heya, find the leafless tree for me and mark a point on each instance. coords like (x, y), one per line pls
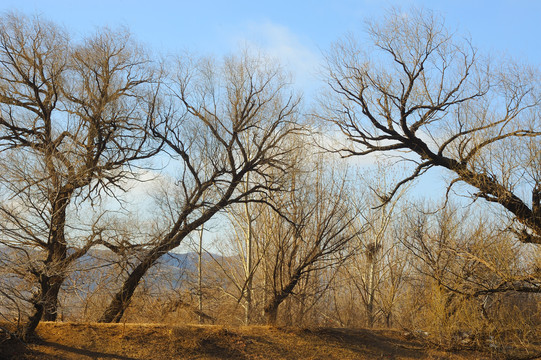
(244, 243)
(73, 116)
(376, 271)
(465, 270)
(321, 223)
(227, 120)
(433, 100)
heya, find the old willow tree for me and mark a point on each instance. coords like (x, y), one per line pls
(73, 116)
(229, 129)
(430, 98)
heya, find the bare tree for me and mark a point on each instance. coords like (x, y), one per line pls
(72, 117)
(243, 243)
(468, 275)
(226, 120)
(321, 223)
(374, 269)
(432, 99)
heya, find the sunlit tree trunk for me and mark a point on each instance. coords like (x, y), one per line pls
(200, 275)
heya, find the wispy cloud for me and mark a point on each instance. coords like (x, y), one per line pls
(281, 43)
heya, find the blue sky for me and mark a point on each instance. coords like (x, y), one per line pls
(305, 26)
(296, 32)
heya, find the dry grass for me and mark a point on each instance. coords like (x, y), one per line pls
(149, 341)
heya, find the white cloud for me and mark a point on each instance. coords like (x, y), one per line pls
(281, 43)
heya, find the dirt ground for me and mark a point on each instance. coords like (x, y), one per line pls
(150, 341)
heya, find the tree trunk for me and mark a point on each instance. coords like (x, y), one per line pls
(271, 313)
(45, 305)
(31, 324)
(200, 275)
(121, 300)
(249, 266)
(50, 279)
(248, 309)
(56, 258)
(388, 318)
(271, 309)
(372, 260)
(370, 314)
(50, 304)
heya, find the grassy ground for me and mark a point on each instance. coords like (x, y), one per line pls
(149, 341)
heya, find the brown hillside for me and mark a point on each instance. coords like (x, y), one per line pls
(145, 341)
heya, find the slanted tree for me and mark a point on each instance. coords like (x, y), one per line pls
(433, 100)
(226, 120)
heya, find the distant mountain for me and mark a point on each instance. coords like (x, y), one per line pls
(172, 269)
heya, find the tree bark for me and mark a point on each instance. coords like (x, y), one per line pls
(28, 329)
(120, 302)
(50, 279)
(271, 309)
(45, 304)
(50, 306)
(271, 313)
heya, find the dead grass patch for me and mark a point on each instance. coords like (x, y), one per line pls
(149, 341)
